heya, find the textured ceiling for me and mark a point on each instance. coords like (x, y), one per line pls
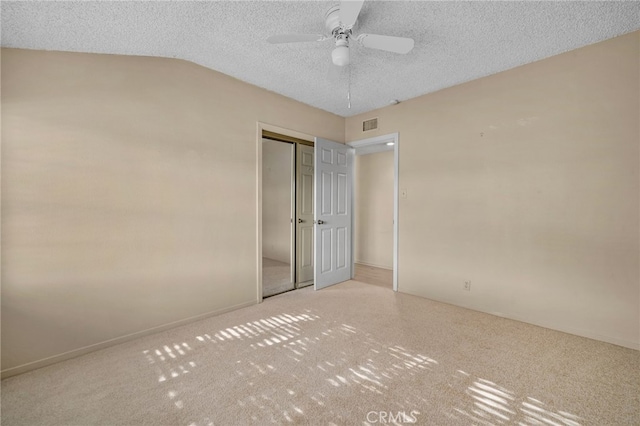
(455, 41)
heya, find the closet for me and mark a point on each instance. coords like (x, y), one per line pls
(287, 213)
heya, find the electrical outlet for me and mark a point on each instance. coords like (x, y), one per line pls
(467, 285)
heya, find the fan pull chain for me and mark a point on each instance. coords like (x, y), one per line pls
(349, 90)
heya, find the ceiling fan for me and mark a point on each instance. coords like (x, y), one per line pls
(339, 21)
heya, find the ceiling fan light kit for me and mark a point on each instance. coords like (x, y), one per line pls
(340, 55)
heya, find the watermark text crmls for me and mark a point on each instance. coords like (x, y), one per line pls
(392, 417)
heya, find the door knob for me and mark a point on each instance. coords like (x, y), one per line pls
(320, 222)
(300, 221)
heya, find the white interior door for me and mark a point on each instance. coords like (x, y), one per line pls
(304, 222)
(333, 215)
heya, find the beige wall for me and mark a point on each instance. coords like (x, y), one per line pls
(374, 209)
(277, 199)
(128, 196)
(526, 183)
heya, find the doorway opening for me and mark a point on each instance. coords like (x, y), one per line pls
(375, 235)
(287, 259)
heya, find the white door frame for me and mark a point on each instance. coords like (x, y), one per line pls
(370, 143)
(283, 131)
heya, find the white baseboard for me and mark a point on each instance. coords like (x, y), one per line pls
(360, 262)
(112, 342)
(541, 323)
(575, 331)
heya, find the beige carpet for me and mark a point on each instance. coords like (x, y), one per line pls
(351, 354)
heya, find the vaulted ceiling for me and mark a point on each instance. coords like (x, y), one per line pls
(455, 41)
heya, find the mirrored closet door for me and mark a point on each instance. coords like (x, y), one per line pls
(278, 185)
(287, 215)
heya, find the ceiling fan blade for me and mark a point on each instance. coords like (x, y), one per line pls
(295, 38)
(388, 43)
(349, 11)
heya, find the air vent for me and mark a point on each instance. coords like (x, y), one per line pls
(370, 125)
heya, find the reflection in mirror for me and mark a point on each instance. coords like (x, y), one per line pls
(277, 214)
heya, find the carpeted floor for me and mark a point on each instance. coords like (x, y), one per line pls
(350, 354)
